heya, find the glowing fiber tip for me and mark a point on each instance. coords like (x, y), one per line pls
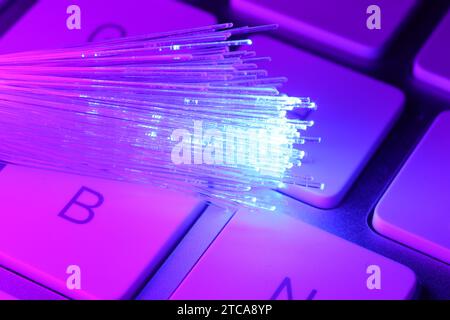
(188, 110)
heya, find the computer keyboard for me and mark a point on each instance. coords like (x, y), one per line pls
(39, 28)
(432, 66)
(356, 112)
(336, 26)
(416, 199)
(274, 249)
(104, 227)
(139, 242)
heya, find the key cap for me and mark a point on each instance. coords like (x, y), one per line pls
(274, 256)
(432, 65)
(58, 228)
(339, 28)
(354, 115)
(44, 26)
(415, 208)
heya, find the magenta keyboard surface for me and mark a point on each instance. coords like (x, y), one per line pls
(348, 102)
(270, 247)
(382, 95)
(130, 227)
(417, 197)
(332, 25)
(432, 65)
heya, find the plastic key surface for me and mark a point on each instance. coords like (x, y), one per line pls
(415, 208)
(5, 296)
(274, 256)
(45, 24)
(61, 230)
(432, 66)
(354, 115)
(344, 28)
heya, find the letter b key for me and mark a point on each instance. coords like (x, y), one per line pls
(116, 232)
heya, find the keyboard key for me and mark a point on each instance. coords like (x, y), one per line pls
(274, 256)
(415, 208)
(354, 115)
(338, 27)
(60, 230)
(44, 25)
(432, 66)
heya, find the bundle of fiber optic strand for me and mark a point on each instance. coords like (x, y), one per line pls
(187, 110)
